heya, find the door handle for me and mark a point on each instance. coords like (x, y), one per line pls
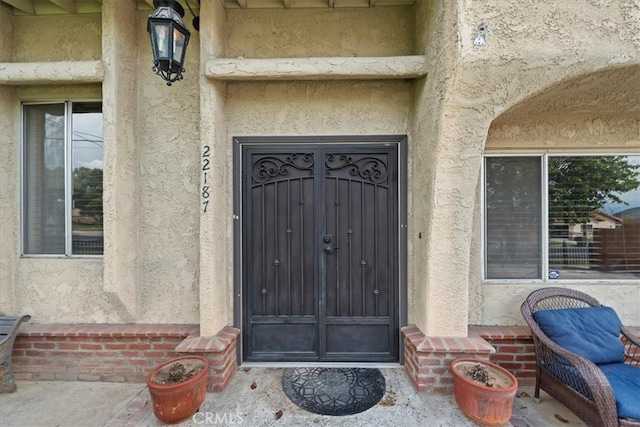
(328, 246)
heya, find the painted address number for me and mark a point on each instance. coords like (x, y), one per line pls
(205, 181)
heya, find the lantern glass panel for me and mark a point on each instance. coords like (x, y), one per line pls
(179, 43)
(161, 37)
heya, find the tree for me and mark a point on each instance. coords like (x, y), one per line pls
(87, 192)
(581, 185)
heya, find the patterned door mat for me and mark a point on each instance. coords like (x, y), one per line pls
(334, 391)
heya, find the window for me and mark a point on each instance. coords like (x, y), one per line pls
(555, 217)
(62, 158)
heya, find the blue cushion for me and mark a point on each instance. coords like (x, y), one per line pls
(625, 382)
(591, 332)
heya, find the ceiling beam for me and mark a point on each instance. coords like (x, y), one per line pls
(242, 4)
(25, 6)
(332, 3)
(287, 4)
(372, 3)
(68, 5)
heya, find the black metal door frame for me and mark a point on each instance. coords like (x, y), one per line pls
(400, 141)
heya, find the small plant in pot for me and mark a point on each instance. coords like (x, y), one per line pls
(483, 390)
(178, 387)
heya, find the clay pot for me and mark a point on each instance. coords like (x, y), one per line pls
(173, 403)
(488, 406)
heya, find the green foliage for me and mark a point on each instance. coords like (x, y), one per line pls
(87, 192)
(580, 185)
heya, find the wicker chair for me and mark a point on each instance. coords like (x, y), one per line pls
(570, 378)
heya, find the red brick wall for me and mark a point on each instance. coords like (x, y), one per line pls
(427, 359)
(115, 353)
(514, 350)
(126, 353)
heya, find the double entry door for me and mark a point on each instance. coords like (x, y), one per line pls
(320, 252)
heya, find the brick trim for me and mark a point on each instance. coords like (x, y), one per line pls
(126, 353)
(427, 359)
(117, 352)
(514, 350)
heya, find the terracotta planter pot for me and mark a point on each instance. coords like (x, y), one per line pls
(489, 406)
(173, 403)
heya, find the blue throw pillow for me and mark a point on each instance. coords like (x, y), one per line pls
(591, 332)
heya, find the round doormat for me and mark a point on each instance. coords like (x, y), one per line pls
(334, 391)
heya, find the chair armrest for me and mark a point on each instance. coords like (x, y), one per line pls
(631, 347)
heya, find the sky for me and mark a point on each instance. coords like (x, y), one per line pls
(631, 197)
(87, 140)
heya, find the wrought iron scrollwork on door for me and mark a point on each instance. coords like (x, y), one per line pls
(267, 168)
(367, 168)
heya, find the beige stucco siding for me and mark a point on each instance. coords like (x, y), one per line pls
(52, 38)
(437, 268)
(574, 132)
(318, 108)
(54, 288)
(167, 135)
(281, 33)
(552, 76)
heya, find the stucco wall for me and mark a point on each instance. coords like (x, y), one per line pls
(55, 288)
(6, 37)
(286, 108)
(8, 157)
(437, 279)
(318, 108)
(168, 149)
(167, 164)
(57, 38)
(166, 173)
(216, 267)
(504, 95)
(279, 33)
(551, 77)
(608, 133)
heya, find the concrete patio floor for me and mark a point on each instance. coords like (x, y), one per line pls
(88, 404)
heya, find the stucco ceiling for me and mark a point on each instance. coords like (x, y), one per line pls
(608, 91)
(49, 7)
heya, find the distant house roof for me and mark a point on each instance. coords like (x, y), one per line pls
(603, 216)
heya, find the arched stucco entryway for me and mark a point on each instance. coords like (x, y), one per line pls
(590, 112)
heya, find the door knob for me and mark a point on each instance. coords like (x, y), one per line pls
(328, 247)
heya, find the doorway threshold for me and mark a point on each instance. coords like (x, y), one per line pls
(318, 365)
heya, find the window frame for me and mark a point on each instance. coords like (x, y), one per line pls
(544, 223)
(68, 177)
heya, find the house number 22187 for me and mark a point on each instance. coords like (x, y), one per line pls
(205, 179)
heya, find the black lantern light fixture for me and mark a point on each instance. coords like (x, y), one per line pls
(169, 39)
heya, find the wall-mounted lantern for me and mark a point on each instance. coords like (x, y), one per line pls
(169, 39)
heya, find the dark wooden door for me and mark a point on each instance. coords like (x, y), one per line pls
(320, 252)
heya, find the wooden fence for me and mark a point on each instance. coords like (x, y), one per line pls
(618, 249)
